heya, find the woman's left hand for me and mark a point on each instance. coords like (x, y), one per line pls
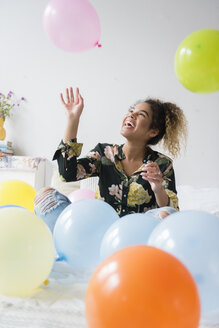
(153, 175)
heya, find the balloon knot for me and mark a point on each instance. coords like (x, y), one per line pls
(46, 282)
(98, 44)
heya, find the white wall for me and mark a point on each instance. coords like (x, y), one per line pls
(139, 39)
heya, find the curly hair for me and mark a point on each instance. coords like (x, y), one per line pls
(171, 123)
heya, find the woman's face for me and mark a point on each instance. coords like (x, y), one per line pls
(136, 123)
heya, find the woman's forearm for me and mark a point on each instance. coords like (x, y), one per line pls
(162, 198)
(71, 130)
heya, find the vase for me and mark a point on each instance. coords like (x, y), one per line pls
(2, 130)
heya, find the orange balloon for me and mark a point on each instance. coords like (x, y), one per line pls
(143, 287)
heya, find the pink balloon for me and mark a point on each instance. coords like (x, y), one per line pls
(80, 194)
(72, 25)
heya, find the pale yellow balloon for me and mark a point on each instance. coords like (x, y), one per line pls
(17, 192)
(26, 251)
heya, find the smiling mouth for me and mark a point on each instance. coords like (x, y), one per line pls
(129, 125)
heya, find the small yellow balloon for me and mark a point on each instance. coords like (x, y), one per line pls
(16, 192)
(26, 251)
(197, 61)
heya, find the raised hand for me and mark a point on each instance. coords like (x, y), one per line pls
(74, 104)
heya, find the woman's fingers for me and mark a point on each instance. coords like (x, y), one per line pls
(152, 165)
(81, 100)
(67, 95)
(152, 173)
(72, 101)
(152, 178)
(72, 94)
(153, 168)
(62, 99)
(77, 95)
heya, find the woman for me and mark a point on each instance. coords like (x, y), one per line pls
(133, 178)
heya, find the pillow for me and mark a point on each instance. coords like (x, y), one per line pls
(203, 199)
(64, 187)
(89, 183)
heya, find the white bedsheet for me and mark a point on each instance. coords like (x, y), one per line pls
(60, 304)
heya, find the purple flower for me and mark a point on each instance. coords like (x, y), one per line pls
(22, 98)
(1, 114)
(18, 104)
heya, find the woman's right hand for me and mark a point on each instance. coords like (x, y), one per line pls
(74, 104)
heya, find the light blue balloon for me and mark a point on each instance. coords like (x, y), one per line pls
(156, 211)
(192, 237)
(131, 229)
(79, 230)
(10, 205)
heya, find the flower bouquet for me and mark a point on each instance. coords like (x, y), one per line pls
(7, 103)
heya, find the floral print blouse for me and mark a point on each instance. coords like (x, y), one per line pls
(126, 194)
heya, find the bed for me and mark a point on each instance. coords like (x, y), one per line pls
(60, 303)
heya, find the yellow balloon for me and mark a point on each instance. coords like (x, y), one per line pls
(197, 61)
(26, 251)
(16, 192)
